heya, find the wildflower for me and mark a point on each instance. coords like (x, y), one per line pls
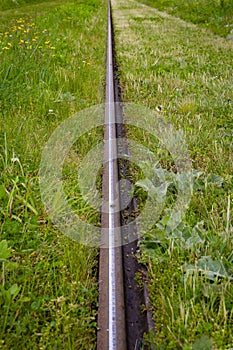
(52, 48)
(15, 160)
(47, 42)
(50, 111)
(21, 20)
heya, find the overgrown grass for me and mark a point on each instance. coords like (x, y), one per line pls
(185, 74)
(216, 15)
(11, 4)
(52, 65)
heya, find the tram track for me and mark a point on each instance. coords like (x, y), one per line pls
(123, 311)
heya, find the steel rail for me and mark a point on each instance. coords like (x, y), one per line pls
(111, 315)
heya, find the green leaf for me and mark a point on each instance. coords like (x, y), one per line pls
(10, 265)
(5, 252)
(215, 180)
(212, 269)
(14, 290)
(3, 194)
(203, 343)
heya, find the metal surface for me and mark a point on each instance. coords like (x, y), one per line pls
(111, 316)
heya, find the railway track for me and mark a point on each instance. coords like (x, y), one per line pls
(121, 321)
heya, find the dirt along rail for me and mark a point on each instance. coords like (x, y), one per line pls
(122, 316)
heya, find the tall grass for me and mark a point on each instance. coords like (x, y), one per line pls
(216, 15)
(184, 73)
(52, 65)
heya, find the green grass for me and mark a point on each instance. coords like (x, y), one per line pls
(184, 73)
(18, 4)
(216, 15)
(52, 65)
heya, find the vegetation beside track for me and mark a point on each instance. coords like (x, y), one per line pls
(16, 4)
(216, 15)
(185, 74)
(52, 65)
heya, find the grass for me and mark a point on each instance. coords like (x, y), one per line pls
(13, 4)
(52, 66)
(184, 74)
(216, 15)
